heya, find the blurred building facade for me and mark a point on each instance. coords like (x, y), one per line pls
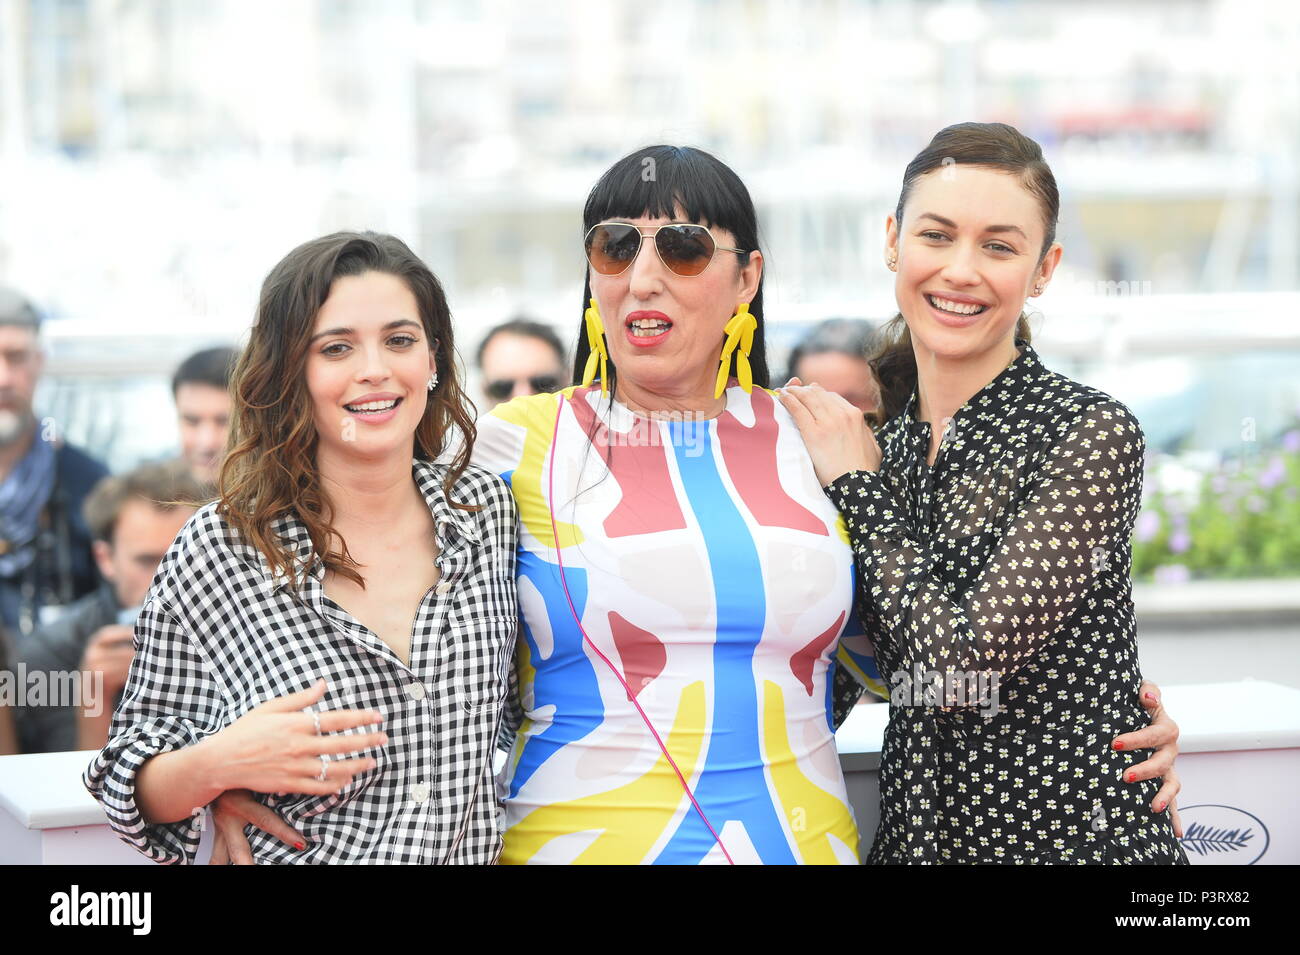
(157, 157)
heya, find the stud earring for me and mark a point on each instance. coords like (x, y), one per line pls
(1038, 290)
(892, 264)
(433, 381)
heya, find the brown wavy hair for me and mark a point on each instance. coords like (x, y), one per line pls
(997, 146)
(270, 465)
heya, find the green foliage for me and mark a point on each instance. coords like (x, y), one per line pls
(1242, 521)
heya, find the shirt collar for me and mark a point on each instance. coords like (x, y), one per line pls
(1001, 397)
(429, 478)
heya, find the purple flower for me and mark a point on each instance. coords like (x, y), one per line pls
(1255, 504)
(1179, 541)
(1272, 475)
(1218, 484)
(1147, 526)
(1173, 574)
(1291, 441)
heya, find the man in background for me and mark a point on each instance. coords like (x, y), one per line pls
(201, 389)
(134, 519)
(45, 561)
(834, 355)
(520, 357)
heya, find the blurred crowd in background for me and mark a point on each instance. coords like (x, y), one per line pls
(157, 157)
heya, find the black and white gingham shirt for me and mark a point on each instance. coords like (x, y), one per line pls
(219, 635)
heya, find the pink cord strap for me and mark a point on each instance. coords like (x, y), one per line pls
(555, 533)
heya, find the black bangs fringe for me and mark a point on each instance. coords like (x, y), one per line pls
(654, 181)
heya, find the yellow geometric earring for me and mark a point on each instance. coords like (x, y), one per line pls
(596, 345)
(740, 335)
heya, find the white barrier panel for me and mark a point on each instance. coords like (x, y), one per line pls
(48, 818)
(1239, 763)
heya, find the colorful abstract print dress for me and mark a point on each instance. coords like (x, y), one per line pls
(708, 567)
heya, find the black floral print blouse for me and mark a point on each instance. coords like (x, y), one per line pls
(995, 586)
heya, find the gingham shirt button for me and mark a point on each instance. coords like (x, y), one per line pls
(419, 793)
(415, 690)
(443, 587)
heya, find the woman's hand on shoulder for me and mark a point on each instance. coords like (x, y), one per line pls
(834, 432)
(275, 747)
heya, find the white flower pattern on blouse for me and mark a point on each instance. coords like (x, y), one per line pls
(1005, 565)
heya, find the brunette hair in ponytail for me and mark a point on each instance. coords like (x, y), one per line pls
(996, 146)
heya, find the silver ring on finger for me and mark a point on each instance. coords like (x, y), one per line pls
(324, 768)
(315, 718)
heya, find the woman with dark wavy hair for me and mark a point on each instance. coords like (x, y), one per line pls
(334, 633)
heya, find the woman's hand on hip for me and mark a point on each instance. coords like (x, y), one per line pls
(1162, 736)
(231, 812)
(275, 747)
(834, 432)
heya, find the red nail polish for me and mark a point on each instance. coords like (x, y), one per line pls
(1160, 807)
(300, 845)
(1132, 776)
(1151, 697)
(1119, 744)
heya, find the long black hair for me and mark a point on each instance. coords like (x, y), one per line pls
(656, 181)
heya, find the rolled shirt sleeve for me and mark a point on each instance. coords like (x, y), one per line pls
(170, 701)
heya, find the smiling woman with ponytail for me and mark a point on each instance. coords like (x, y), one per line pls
(990, 520)
(984, 145)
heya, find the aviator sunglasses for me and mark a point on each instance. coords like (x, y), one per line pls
(684, 248)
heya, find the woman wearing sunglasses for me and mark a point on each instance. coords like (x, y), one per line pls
(684, 584)
(991, 525)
